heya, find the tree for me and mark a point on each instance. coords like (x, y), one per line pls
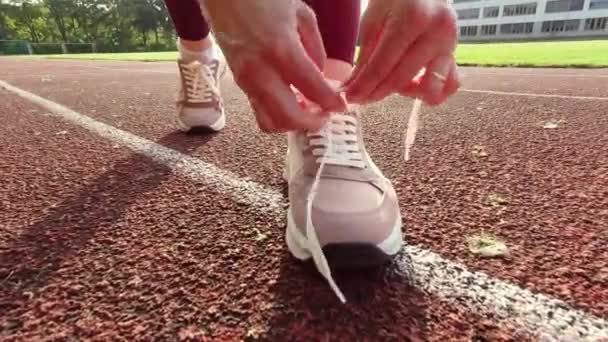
(31, 16)
(89, 16)
(59, 10)
(7, 24)
(145, 18)
(115, 25)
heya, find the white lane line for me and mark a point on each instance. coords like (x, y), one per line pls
(494, 92)
(152, 71)
(508, 93)
(55, 75)
(247, 192)
(545, 318)
(517, 74)
(477, 291)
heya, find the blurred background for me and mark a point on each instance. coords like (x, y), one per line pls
(525, 33)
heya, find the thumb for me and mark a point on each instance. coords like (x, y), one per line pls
(310, 34)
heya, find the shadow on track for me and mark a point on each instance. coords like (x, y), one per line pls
(33, 256)
(382, 305)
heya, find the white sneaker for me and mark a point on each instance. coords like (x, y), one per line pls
(199, 101)
(343, 212)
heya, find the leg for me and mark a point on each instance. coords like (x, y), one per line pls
(191, 27)
(199, 104)
(339, 25)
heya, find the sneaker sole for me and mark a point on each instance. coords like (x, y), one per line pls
(346, 255)
(217, 126)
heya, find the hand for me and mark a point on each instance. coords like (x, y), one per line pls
(399, 38)
(271, 45)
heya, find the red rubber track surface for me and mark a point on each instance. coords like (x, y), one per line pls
(98, 242)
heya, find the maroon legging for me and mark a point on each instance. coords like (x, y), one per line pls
(338, 23)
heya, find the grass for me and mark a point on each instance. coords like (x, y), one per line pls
(581, 54)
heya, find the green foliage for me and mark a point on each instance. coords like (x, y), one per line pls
(113, 25)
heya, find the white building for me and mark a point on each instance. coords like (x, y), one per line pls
(531, 19)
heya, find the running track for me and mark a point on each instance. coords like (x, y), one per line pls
(113, 226)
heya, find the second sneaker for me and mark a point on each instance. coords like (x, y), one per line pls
(199, 102)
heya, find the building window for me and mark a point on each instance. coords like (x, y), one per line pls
(560, 25)
(519, 28)
(564, 6)
(521, 9)
(488, 30)
(596, 24)
(469, 13)
(468, 31)
(490, 12)
(598, 4)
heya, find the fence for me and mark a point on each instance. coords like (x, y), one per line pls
(22, 47)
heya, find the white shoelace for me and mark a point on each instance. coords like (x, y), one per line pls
(412, 128)
(200, 84)
(412, 125)
(337, 143)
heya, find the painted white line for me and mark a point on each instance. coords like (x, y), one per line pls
(517, 74)
(545, 318)
(494, 92)
(90, 73)
(478, 292)
(507, 93)
(150, 71)
(247, 192)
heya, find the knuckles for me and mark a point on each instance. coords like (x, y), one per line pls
(422, 15)
(244, 70)
(420, 18)
(446, 22)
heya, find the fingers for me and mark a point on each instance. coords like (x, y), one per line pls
(412, 37)
(453, 83)
(416, 58)
(275, 103)
(310, 34)
(434, 83)
(302, 61)
(438, 83)
(394, 41)
(265, 122)
(299, 70)
(426, 48)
